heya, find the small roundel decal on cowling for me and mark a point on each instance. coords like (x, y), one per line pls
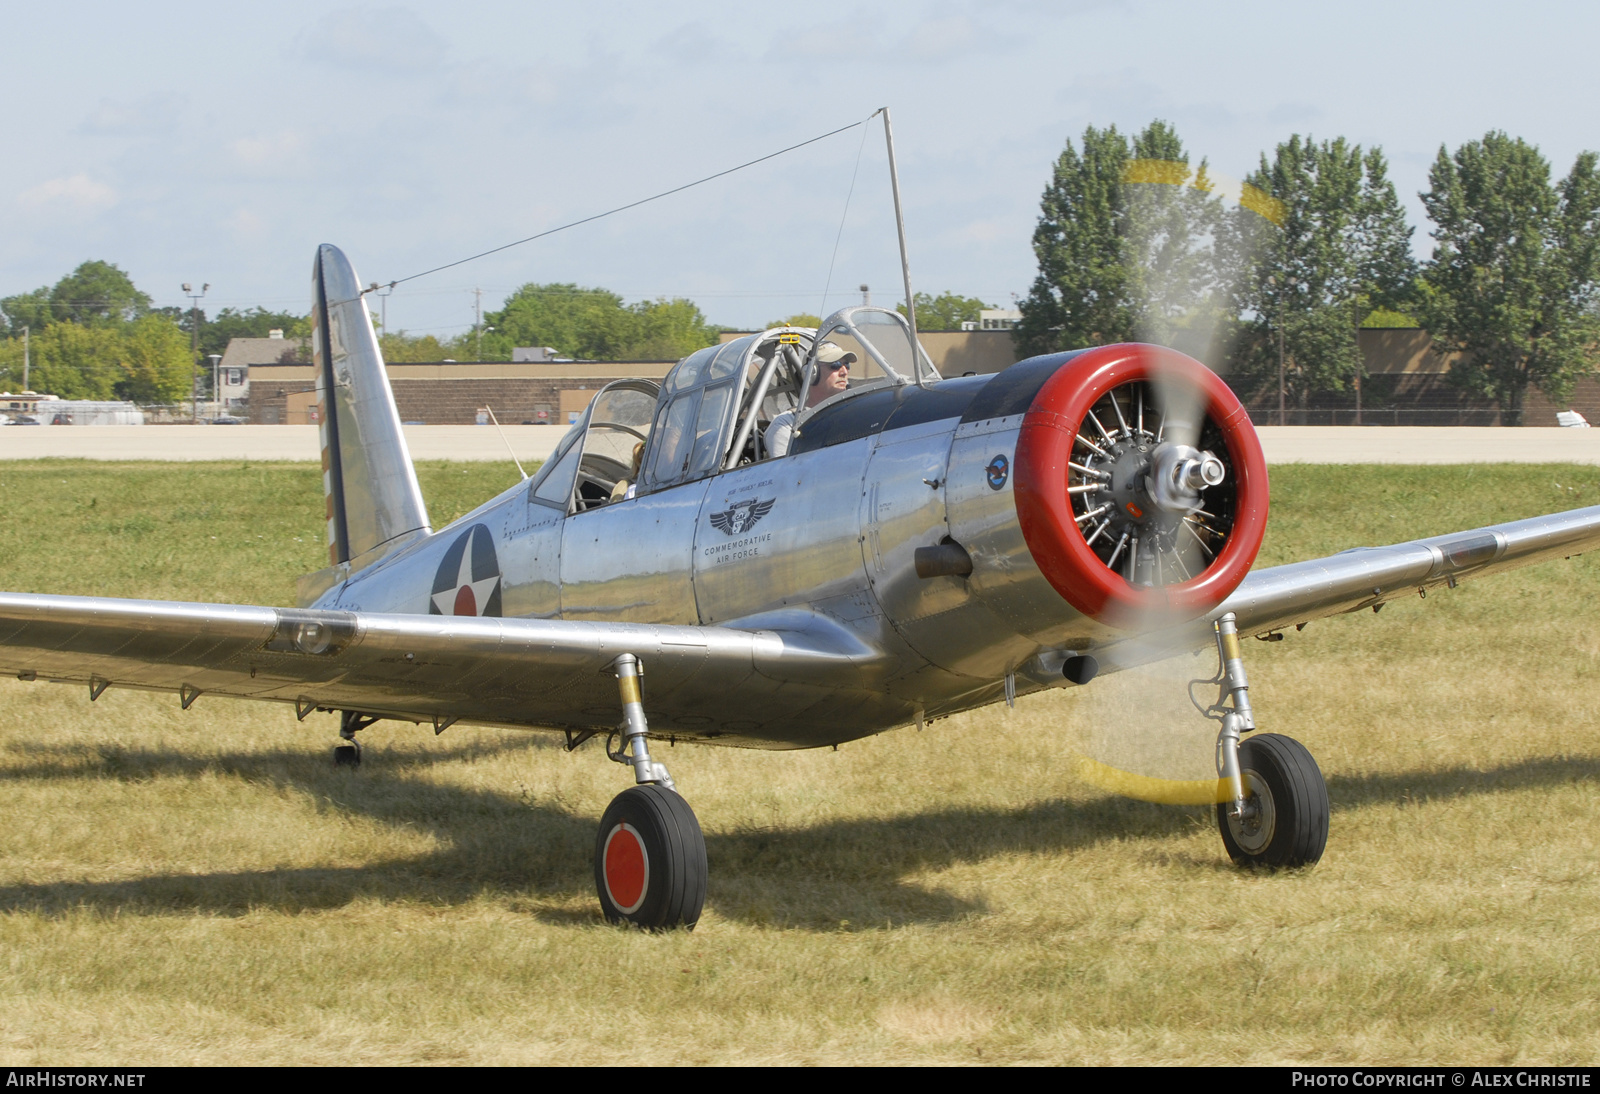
(997, 471)
(468, 579)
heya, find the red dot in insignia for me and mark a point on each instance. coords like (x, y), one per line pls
(466, 603)
(626, 869)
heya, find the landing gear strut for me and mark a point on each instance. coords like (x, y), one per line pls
(649, 855)
(1277, 815)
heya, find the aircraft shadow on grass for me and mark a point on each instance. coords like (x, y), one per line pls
(838, 875)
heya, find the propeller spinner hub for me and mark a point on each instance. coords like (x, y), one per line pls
(1178, 472)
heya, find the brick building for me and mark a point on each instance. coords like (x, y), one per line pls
(1406, 384)
(451, 392)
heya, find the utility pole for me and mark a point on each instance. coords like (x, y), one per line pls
(216, 381)
(24, 358)
(1282, 415)
(1361, 364)
(383, 295)
(194, 345)
(477, 324)
(1272, 280)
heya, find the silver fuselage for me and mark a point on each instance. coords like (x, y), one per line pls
(820, 540)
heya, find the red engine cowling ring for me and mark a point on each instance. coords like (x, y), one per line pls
(1044, 509)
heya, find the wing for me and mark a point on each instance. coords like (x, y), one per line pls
(520, 672)
(1368, 577)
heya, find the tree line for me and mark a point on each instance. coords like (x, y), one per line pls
(95, 335)
(1135, 243)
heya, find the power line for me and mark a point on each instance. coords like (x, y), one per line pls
(630, 205)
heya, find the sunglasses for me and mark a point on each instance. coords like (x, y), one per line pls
(835, 366)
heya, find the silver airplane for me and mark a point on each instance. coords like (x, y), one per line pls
(926, 545)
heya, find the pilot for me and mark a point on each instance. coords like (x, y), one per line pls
(832, 376)
(627, 487)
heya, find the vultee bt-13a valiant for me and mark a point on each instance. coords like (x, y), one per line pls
(922, 545)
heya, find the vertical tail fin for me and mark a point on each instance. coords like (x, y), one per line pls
(374, 502)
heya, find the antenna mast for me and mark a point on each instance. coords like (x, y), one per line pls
(905, 261)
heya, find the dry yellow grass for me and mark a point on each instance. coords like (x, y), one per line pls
(204, 887)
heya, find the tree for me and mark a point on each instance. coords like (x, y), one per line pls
(1512, 282)
(230, 323)
(76, 361)
(95, 294)
(799, 319)
(400, 346)
(594, 324)
(155, 361)
(1341, 251)
(1124, 245)
(1079, 297)
(947, 311)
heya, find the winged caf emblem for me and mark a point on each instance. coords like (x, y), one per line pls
(741, 516)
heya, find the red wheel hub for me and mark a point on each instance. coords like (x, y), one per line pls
(627, 868)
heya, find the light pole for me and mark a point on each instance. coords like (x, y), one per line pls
(866, 296)
(216, 381)
(24, 358)
(194, 345)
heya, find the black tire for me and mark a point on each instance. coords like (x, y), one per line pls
(657, 872)
(1284, 783)
(347, 755)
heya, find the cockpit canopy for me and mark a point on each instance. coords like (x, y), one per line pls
(715, 405)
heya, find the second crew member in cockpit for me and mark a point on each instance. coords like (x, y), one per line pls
(832, 376)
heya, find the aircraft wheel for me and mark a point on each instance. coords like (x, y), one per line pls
(347, 755)
(650, 860)
(1289, 826)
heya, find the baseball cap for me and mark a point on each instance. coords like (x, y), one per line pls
(828, 353)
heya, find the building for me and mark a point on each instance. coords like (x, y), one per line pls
(1406, 383)
(995, 319)
(233, 372)
(453, 392)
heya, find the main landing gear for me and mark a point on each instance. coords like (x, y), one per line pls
(649, 856)
(1277, 812)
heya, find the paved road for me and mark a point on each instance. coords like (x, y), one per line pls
(1283, 444)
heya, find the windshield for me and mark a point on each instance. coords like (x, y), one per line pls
(881, 341)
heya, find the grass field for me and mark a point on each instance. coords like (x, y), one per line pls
(204, 887)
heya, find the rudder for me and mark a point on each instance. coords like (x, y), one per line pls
(374, 504)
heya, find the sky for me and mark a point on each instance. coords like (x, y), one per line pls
(221, 143)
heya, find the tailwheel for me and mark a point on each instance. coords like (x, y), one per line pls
(650, 860)
(1284, 823)
(347, 755)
